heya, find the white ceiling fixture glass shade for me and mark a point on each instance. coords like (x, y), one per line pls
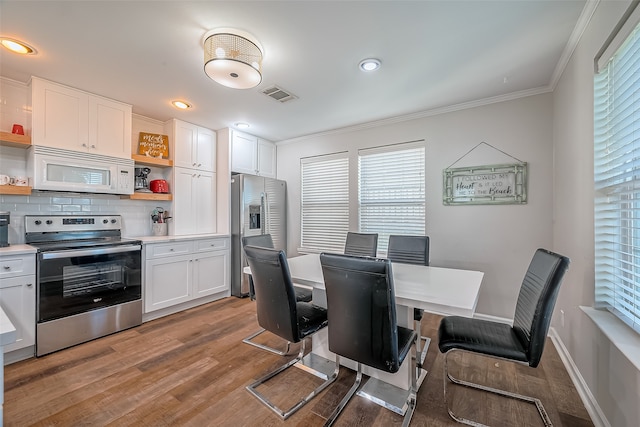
(233, 58)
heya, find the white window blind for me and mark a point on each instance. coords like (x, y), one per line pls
(391, 191)
(617, 182)
(325, 202)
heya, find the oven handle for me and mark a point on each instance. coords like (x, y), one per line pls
(89, 252)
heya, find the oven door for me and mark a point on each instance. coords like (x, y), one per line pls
(76, 281)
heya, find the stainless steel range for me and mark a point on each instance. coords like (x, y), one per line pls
(88, 279)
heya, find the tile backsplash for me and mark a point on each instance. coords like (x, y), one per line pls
(136, 214)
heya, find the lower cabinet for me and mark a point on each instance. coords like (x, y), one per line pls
(178, 272)
(18, 297)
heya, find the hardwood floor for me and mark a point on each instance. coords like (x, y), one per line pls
(191, 369)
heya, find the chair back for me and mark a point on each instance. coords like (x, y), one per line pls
(409, 249)
(275, 296)
(536, 301)
(262, 241)
(361, 244)
(361, 310)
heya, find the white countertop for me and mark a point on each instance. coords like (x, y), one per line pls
(8, 332)
(18, 250)
(162, 239)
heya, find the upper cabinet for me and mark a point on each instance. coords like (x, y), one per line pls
(194, 146)
(68, 118)
(252, 155)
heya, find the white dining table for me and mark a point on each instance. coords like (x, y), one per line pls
(444, 291)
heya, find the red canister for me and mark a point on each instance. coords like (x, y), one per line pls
(159, 186)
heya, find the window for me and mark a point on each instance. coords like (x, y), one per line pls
(391, 191)
(617, 182)
(325, 202)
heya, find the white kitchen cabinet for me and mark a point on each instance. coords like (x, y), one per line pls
(194, 201)
(178, 272)
(167, 282)
(194, 146)
(18, 297)
(252, 155)
(68, 118)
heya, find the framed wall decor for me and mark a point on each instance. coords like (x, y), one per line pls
(485, 185)
(153, 145)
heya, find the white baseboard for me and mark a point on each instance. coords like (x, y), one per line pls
(590, 403)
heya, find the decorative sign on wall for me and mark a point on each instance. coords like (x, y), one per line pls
(489, 184)
(153, 145)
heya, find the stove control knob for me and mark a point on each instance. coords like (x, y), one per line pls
(38, 222)
(105, 221)
(113, 221)
(49, 222)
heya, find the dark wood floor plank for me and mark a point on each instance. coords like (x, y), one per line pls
(191, 369)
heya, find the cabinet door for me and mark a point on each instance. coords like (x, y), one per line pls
(204, 202)
(266, 159)
(244, 155)
(109, 127)
(211, 273)
(18, 300)
(167, 282)
(60, 116)
(206, 150)
(184, 152)
(184, 214)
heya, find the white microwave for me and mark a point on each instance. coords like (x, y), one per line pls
(65, 170)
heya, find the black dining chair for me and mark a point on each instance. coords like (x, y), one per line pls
(361, 244)
(302, 294)
(280, 314)
(522, 341)
(361, 310)
(412, 250)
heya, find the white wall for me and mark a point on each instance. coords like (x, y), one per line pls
(496, 239)
(610, 377)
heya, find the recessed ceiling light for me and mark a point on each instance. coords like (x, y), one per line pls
(369, 64)
(17, 46)
(241, 125)
(181, 104)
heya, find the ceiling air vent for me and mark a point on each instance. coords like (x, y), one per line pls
(279, 94)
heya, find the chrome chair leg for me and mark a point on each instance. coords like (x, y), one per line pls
(248, 339)
(286, 413)
(336, 412)
(420, 349)
(543, 413)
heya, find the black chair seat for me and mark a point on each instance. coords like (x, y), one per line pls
(311, 318)
(303, 294)
(406, 338)
(480, 336)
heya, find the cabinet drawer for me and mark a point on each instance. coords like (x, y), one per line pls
(168, 249)
(211, 244)
(17, 265)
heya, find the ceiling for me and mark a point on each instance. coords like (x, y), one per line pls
(435, 55)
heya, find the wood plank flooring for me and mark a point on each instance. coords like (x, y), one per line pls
(191, 369)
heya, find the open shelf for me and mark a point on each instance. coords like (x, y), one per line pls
(12, 140)
(152, 161)
(148, 196)
(15, 190)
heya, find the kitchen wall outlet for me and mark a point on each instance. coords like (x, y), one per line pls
(562, 318)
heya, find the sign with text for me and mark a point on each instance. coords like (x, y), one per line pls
(484, 185)
(153, 145)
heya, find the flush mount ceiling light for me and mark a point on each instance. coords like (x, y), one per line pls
(17, 46)
(183, 105)
(241, 125)
(233, 58)
(369, 64)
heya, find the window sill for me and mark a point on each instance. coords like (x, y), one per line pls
(620, 335)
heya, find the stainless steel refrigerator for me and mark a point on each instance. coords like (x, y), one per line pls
(257, 207)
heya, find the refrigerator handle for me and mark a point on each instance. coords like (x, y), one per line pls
(263, 213)
(267, 212)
